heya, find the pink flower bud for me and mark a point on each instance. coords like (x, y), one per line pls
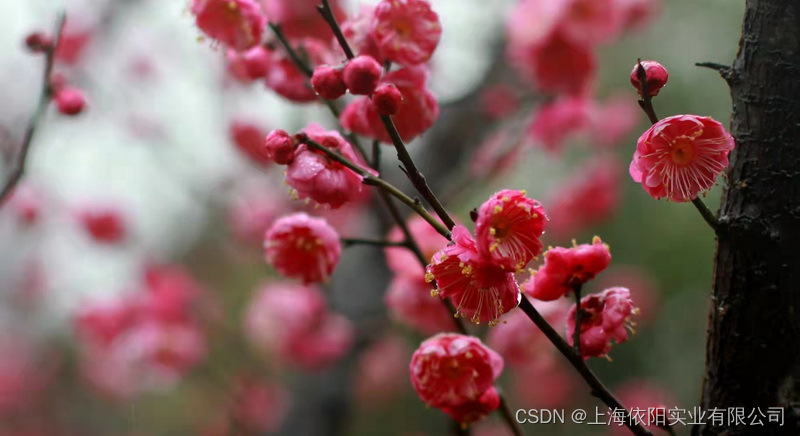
(656, 77)
(279, 146)
(387, 99)
(70, 101)
(105, 225)
(38, 42)
(302, 246)
(328, 82)
(362, 75)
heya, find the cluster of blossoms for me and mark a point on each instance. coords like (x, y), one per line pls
(146, 341)
(477, 274)
(456, 373)
(292, 324)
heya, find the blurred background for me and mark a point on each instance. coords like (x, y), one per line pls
(153, 197)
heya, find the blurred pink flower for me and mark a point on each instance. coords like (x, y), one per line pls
(303, 247)
(409, 302)
(406, 31)
(238, 24)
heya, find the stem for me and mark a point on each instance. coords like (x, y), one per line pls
(376, 155)
(576, 334)
(705, 212)
(646, 104)
(599, 390)
(18, 169)
(414, 175)
(505, 410)
(372, 180)
(327, 13)
(349, 242)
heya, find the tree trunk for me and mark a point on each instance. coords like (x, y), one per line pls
(753, 349)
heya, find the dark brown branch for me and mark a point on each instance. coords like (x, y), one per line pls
(576, 334)
(723, 70)
(599, 390)
(45, 95)
(708, 216)
(349, 242)
(327, 13)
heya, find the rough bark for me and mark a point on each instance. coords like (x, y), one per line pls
(753, 349)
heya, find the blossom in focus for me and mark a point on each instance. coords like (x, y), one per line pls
(278, 147)
(328, 82)
(316, 176)
(419, 110)
(508, 229)
(481, 290)
(406, 31)
(409, 302)
(566, 268)
(681, 156)
(362, 74)
(449, 370)
(655, 74)
(589, 197)
(293, 325)
(642, 284)
(238, 24)
(475, 410)
(606, 317)
(303, 247)
(555, 122)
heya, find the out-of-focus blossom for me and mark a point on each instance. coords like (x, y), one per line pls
(591, 22)
(606, 317)
(555, 122)
(518, 343)
(589, 197)
(499, 101)
(636, 14)
(381, 370)
(449, 370)
(26, 204)
(253, 212)
(249, 140)
(279, 147)
(287, 80)
(554, 64)
(304, 247)
(105, 224)
(249, 65)
(299, 19)
(497, 155)
(22, 375)
(409, 302)
(406, 31)
(612, 120)
(681, 156)
(402, 261)
(508, 229)
(238, 24)
(293, 325)
(258, 406)
(544, 382)
(72, 44)
(70, 101)
(566, 268)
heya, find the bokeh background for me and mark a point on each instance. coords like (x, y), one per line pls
(155, 147)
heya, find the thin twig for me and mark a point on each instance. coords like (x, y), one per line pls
(720, 68)
(599, 390)
(706, 213)
(349, 242)
(372, 180)
(45, 95)
(576, 334)
(327, 13)
(646, 103)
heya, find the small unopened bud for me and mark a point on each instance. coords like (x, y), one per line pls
(655, 76)
(328, 82)
(38, 42)
(70, 101)
(362, 75)
(279, 146)
(387, 99)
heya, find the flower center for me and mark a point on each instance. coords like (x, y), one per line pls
(682, 152)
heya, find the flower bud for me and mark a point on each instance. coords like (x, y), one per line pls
(362, 75)
(70, 101)
(387, 99)
(38, 42)
(279, 146)
(656, 77)
(328, 82)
